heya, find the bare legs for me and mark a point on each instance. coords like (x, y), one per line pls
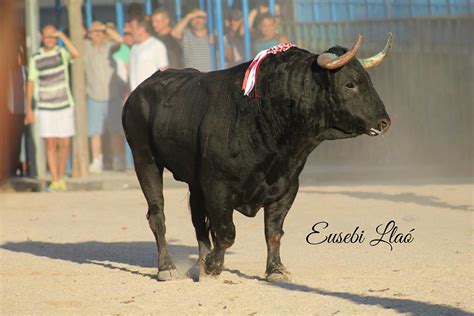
(96, 146)
(57, 152)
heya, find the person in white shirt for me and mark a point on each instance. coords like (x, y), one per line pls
(148, 54)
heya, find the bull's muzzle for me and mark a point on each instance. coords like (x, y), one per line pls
(383, 127)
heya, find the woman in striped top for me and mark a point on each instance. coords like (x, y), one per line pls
(48, 83)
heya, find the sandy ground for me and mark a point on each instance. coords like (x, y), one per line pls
(93, 253)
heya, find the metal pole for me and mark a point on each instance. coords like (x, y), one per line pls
(245, 13)
(210, 30)
(349, 6)
(220, 33)
(57, 9)
(230, 3)
(178, 10)
(366, 3)
(32, 46)
(271, 5)
(148, 7)
(119, 15)
(88, 13)
(388, 9)
(333, 11)
(202, 5)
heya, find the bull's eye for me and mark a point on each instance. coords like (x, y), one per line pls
(350, 85)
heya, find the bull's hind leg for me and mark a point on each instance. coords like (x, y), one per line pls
(275, 214)
(151, 181)
(224, 228)
(198, 213)
(222, 225)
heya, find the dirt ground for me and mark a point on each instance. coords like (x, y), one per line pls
(93, 253)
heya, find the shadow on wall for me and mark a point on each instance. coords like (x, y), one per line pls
(143, 254)
(405, 197)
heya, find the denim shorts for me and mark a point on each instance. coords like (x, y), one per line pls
(97, 112)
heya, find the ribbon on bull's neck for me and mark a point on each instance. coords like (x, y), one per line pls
(250, 78)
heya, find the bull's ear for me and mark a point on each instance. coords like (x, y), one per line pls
(320, 74)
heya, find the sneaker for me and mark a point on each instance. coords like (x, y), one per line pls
(62, 185)
(54, 187)
(95, 167)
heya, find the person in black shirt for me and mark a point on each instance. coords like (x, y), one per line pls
(160, 21)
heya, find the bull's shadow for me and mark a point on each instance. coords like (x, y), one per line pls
(144, 254)
(140, 254)
(404, 306)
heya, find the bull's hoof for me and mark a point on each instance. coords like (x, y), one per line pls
(167, 275)
(277, 277)
(278, 274)
(214, 271)
(212, 266)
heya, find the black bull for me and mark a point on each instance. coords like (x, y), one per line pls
(239, 152)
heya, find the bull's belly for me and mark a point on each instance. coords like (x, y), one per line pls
(251, 201)
(178, 160)
(249, 211)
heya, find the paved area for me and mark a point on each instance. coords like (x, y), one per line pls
(93, 253)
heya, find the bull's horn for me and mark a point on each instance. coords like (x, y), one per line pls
(378, 58)
(331, 61)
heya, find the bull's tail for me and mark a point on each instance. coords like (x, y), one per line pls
(136, 123)
(202, 224)
(210, 230)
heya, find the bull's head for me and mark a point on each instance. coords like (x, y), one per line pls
(355, 107)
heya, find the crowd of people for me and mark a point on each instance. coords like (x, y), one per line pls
(115, 65)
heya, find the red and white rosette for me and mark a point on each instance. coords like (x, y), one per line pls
(251, 74)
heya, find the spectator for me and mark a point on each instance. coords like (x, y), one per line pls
(148, 54)
(234, 39)
(135, 11)
(48, 81)
(99, 69)
(118, 92)
(195, 41)
(161, 26)
(269, 36)
(261, 9)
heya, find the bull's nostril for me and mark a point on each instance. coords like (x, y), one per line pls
(384, 124)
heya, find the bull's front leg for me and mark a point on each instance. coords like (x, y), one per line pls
(275, 214)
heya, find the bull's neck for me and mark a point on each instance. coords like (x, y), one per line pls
(290, 126)
(285, 130)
